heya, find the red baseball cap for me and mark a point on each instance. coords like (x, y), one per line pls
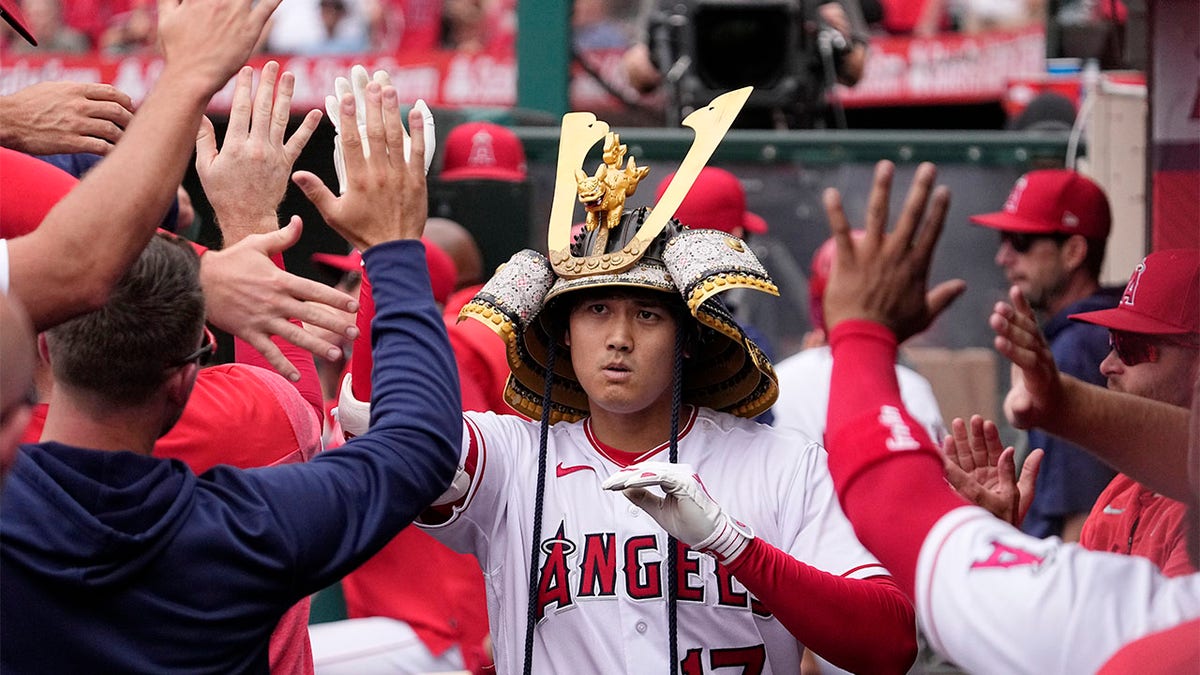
(1161, 298)
(1052, 201)
(483, 150)
(32, 188)
(715, 202)
(11, 12)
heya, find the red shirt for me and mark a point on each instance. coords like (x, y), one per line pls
(1131, 519)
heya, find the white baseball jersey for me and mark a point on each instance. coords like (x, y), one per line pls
(996, 600)
(804, 395)
(602, 571)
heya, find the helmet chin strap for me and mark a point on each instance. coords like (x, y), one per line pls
(672, 544)
(535, 552)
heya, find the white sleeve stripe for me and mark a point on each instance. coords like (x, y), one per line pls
(866, 571)
(925, 608)
(473, 460)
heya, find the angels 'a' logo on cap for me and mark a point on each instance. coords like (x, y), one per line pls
(482, 151)
(1070, 219)
(1130, 294)
(1014, 197)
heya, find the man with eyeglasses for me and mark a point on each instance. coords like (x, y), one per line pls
(1155, 336)
(1053, 230)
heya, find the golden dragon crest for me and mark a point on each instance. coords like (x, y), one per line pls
(603, 195)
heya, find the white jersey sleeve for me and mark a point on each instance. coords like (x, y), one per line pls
(995, 600)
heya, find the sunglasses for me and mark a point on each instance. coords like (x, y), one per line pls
(1021, 242)
(202, 355)
(1136, 348)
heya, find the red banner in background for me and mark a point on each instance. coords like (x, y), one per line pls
(947, 69)
(900, 71)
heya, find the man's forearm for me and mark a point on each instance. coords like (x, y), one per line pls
(1144, 439)
(84, 245)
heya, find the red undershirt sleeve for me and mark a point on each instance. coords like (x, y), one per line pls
(879, 457)
(803, 598)
(360, 358)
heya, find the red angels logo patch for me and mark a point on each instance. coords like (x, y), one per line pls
(1130, 294)
(482, 152)
(1014, 197)
(1004, 556)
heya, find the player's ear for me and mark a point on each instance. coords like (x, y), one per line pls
(1074, 251)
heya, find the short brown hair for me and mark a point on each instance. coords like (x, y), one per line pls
(154, 318)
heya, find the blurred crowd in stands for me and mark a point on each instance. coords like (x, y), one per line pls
(315, 27)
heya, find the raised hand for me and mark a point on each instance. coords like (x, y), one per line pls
(356, 85)
(882, 277)
(249, 296)
(984, 472)
(64, 117)
(1036, 386)
(685, 511)
(205, 41)
(385, 196)
(246, 180)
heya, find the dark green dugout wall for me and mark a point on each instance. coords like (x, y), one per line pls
(784, 173)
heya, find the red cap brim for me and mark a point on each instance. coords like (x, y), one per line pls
(345, 263)
(1008, 222)
(482, 173)
(754, 223)
(1129, 321)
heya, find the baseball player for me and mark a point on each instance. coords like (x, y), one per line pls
(620, 369)
(988, 596)
(804, 376)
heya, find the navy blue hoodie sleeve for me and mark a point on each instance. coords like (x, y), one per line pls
(312, 523)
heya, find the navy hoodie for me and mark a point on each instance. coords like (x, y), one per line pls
(121, 563)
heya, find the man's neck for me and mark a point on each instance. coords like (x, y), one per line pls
(634, 433)
(1078, 287)
(74, 420)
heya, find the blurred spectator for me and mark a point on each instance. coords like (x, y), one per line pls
(920, 18)
(405, 25)
(93, 17)
(45, 20)
(593, 27)
(475, 26)
(318, 27)
(975, 16)
(132, 31)
(334, 15)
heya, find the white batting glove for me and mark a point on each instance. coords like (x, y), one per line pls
(354, 416)
(357, 85)
(685, 510)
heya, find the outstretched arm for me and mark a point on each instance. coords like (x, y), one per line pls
(69, 265)
(878, 455)
(245, 182)
(689, 514)
(1115, 426)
